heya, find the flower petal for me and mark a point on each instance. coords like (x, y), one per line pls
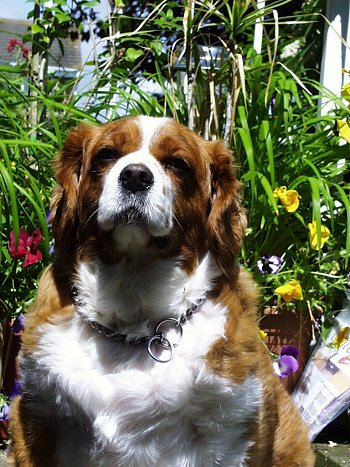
(325, 234)
(290, 350)
(19, 250)
(287, 365)
(343, 130)
(288, 198)
(16, 390)
(18, 324)
(36, 237)
(290, 291)
(269, 264)
(4, 412)
(32, 258)
(275, 263)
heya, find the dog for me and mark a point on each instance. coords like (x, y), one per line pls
(142, 348)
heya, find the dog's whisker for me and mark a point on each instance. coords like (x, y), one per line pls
(178, 223)
(91, 217)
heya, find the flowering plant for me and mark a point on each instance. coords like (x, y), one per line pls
(26, 246)
(297, 197)
(17, 48)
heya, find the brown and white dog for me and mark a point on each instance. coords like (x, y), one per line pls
(142, 348)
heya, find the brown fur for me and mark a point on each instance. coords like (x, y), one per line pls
(280, 435)
(210, 216)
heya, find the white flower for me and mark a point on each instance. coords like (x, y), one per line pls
(291, 50)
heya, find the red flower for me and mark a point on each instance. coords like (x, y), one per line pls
(27, 246)
(12, 44)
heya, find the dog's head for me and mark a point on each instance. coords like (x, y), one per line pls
(145, 185)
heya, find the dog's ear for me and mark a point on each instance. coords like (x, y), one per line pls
(64, 204)
(227, 219)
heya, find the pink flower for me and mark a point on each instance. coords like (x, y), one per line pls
(25, 52)
(13, 43)
(27, 246)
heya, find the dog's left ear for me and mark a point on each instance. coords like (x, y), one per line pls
(64, 205)
(227, 219)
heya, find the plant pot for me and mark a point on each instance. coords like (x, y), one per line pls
(285, 327)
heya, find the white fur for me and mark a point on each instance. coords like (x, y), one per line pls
(116, 400)
(155, 207)
(136, 412)
(130, 294)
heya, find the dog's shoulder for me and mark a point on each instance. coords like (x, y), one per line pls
(53, 302)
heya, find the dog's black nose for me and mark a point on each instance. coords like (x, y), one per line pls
(136, 177)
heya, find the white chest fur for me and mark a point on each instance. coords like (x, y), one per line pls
(142, 413)
(121, 408)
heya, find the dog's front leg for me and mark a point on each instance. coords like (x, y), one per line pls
(33, 438)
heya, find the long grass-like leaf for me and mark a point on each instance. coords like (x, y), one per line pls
(265, 134)
(9, 188)
(268, 190)
(345, 200)
(249, 149)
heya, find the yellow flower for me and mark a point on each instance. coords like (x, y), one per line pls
(342, 337)
(262, 334)
(325, 233)
(345, 92)
(290, 291)
(289, 198)
(343, 130)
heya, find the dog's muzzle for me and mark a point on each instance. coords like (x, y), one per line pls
(137, 194)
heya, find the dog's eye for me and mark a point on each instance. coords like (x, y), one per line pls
(176, 164)
(107, 155)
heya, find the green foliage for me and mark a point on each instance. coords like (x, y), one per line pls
(26, 179)
(264, 106)
(287, 143)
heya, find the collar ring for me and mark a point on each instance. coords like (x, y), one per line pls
(161, 341)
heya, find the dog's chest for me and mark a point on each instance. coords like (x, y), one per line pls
(143, 413)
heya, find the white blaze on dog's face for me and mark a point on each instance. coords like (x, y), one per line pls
(137, 195)
(146, 185)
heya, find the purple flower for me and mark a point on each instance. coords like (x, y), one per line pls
(18, 324)
(52, 249)
(287, 362)
(4, 412)
(269, 264)
(48, 218)
(16, 389)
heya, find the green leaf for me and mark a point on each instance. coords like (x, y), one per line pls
(9, 188)
(249, 149)
(265, 133)
(36, 29)
(133, 54)
(345, 200)
(268, 190)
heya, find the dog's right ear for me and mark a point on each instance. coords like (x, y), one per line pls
(64, 204)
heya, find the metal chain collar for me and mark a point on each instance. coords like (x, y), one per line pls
(159, 341)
